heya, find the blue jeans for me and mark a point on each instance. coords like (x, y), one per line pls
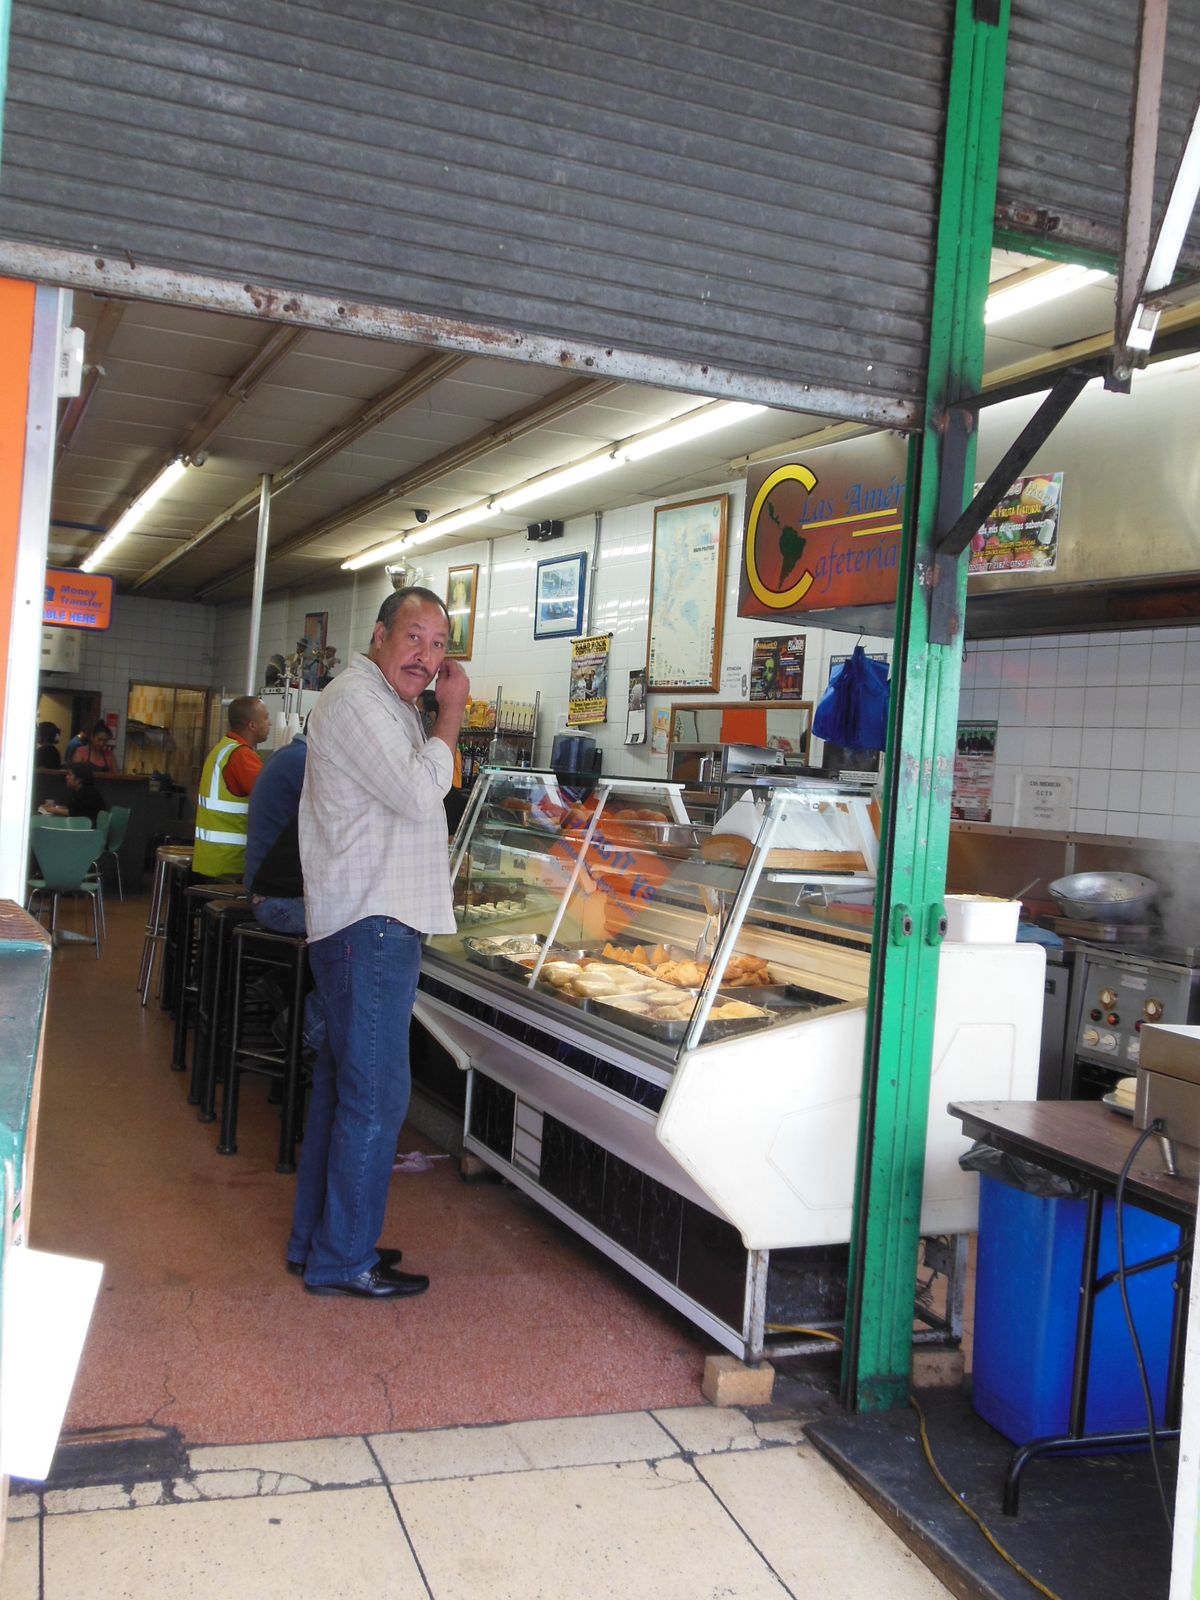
(278, 914)
(366, 976)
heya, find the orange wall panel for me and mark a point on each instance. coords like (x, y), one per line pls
(16, 346)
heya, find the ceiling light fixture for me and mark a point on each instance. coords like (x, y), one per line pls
(721, 414)
(1039, 288)
(417, 536)
(563, 478)
(133, 514)
(693, 425)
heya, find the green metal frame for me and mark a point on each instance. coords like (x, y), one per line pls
(920, 756)
(1060, 250)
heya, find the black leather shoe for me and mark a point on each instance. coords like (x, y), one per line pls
(380, 1283)
(387, 1258)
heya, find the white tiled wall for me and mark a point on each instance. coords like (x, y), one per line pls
(1117, 712)
(155, 641)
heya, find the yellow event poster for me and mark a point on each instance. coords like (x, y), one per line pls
(588, 694)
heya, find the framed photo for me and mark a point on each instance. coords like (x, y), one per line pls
(687, 595)
(558, 597)
(461, 585)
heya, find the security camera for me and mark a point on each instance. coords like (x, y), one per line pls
(421, 515)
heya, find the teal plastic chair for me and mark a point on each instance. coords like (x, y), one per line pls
(118, 822)
(65, 858)
(94, 881)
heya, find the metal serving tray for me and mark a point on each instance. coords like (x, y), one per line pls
(673, 1032)
(789, 996)
(485, 949)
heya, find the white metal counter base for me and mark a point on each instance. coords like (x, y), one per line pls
(732, 1198)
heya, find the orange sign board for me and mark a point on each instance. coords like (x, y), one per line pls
(820, 536)
(77, 600)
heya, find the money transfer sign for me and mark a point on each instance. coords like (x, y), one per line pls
(77, 600)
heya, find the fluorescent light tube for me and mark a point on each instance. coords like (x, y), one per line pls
(417, 536)
(578, 472)
(133, 514)
(693, 426)
(1038, 290)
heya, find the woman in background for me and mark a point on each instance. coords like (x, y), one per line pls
(83, 797)
(97, 753)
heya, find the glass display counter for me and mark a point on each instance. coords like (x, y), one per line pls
(609, 904)
(662, 1027)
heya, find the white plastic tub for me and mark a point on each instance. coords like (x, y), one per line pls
(981, 919)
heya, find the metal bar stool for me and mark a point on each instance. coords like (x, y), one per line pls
(253, 1046)
(187, 967)
(217, 922)
(166, 856)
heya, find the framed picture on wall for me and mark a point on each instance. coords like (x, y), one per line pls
(461, 584)
(558, 597)
(687, 595)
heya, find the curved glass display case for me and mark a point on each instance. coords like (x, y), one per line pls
(609, 904)
(661, 1032)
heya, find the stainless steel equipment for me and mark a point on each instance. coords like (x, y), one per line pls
(1115, 993)
(1105, 896)
(1055, 1063)
(1168, 1092)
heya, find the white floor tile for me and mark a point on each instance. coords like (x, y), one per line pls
(709, 1430)
(336, 1544)
(586, 1532)
(814, 1529)
(519, 1446)
(20, 1578)
(319, 1462)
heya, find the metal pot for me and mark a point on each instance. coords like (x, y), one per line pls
(1105, 896)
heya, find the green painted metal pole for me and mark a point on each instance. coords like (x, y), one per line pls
(5, 27)
(920, 757)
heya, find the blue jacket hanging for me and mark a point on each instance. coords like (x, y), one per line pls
(853, 711)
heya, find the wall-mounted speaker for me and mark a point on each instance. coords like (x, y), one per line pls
(537, 532)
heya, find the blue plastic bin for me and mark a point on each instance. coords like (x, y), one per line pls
(1026, 1300)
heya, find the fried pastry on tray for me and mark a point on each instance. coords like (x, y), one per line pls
(733, 1010)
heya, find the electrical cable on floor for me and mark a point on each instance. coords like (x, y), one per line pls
(1156, 1127)
(820, 1333)
(970, 1512)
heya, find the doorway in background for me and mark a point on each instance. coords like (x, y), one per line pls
(165, 731)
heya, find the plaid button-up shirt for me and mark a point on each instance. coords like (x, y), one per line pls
(373, 837)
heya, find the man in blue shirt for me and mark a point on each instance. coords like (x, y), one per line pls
(274, 880)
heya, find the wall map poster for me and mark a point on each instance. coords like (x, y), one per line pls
(974, 772)
(824, 534)
(587, 697)
(1021, 535)
(687, 594)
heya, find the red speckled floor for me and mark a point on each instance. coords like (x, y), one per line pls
(197, 1324)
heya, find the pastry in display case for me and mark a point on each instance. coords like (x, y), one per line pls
(610, 901)
(662, 1028)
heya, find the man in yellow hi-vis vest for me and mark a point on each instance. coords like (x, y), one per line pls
(229, 774)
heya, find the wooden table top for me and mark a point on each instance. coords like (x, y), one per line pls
(1080, 1138)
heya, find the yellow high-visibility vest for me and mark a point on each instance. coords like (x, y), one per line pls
(220, 818)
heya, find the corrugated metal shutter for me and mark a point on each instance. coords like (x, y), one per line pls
(747, 191)
(1066, 113)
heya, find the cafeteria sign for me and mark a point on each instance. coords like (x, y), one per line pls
(77, 600)
(824, 534)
